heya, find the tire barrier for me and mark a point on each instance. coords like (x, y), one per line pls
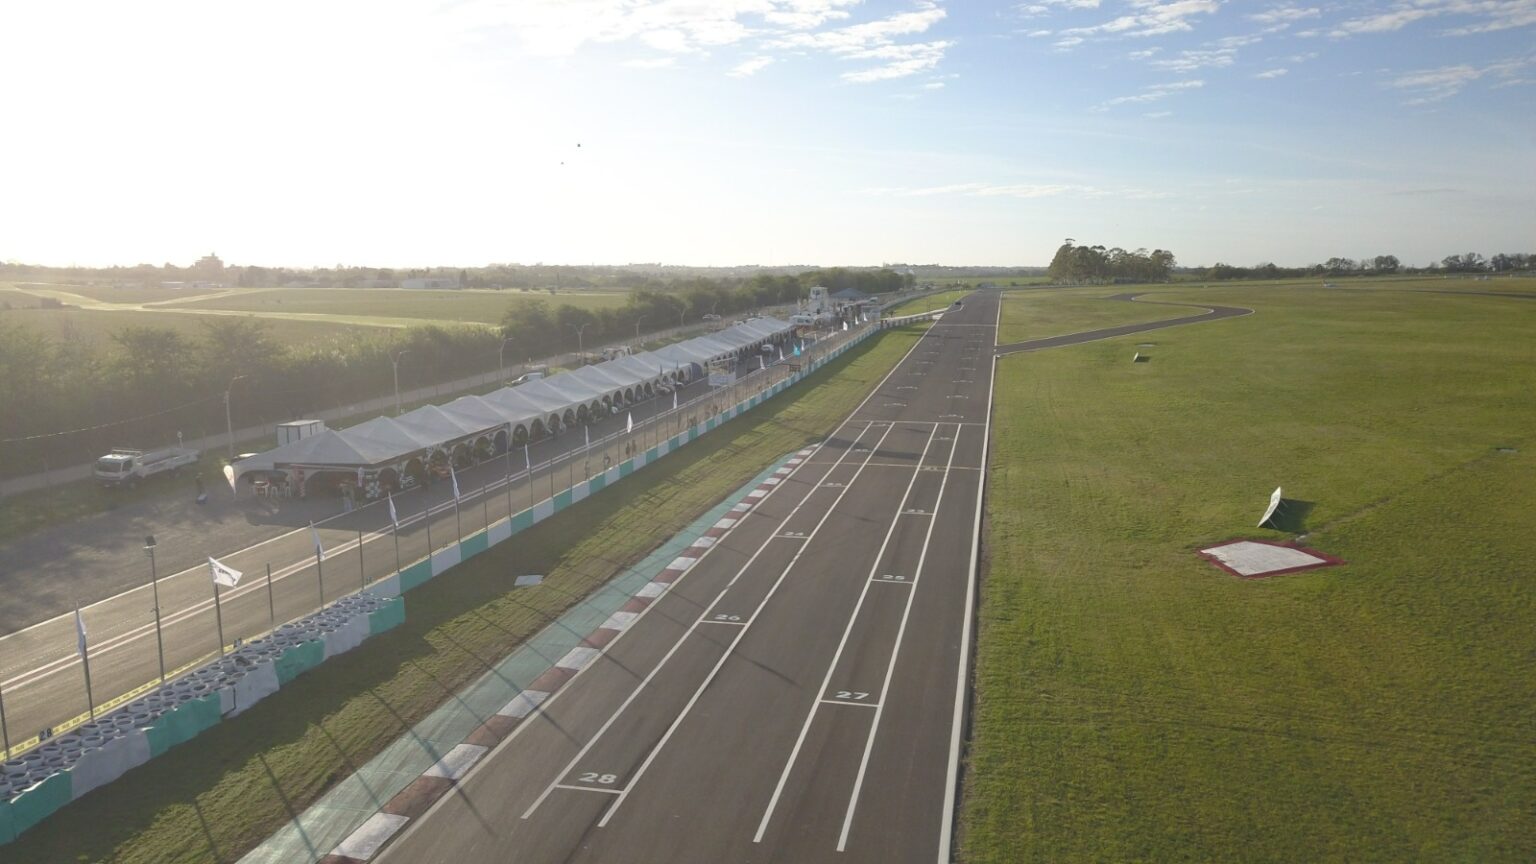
(44, 779)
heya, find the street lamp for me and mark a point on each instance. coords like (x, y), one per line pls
(154, 583)
(501, 363)
(229, 425)
(638, 321)
(395, 362)
(581, 350)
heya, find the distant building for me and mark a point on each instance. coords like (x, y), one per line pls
(209, 265)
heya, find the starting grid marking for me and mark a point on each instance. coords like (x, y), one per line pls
(450, 769)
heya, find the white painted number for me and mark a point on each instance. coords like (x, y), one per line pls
(604, 779)
(894, 577)
(727, 617)
(851, 694)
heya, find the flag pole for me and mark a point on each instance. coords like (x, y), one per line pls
(271, 604)
(85, 658)
(5, 731)
(395, 533)
(362, 566)
(427, 517)
(218, 616)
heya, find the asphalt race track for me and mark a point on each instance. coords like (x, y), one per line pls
(796, 696)
(1212, 313)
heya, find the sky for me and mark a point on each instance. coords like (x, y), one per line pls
(404, 133)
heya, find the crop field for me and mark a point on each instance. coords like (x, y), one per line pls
(486, 307)
(1057, 311)
(1134, 703)
(97, 326)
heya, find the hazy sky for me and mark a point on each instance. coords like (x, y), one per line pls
(410, 132)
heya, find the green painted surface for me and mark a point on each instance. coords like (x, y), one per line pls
(474, 544)
(298, 660)
(387, 617)
(34, 805)
(415, 575)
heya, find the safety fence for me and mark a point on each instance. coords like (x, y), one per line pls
(58, 770)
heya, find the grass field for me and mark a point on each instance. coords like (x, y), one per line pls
(97, 326)
(1136, 704)
(927, 303)
(1054, 312)
(486, 307)
(129, 294)
(213, 798)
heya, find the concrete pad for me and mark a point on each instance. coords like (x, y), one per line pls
(1252, 558)
(526, 581)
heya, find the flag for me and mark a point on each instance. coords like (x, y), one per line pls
(781, 352)
(797, 350)
(845, 325)
(674, 399)
(586, 433)
(527, 462)
(394, 518)
(629, 423)
(80, 641)
(223, 574)
(315, 535)
(454, 476)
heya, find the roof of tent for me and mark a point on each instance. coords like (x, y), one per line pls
(387, 439)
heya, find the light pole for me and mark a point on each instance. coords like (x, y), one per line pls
(229, 426)
(638, 322)
(581, 350)
(394, 361)
(501, 362)
(154, 582)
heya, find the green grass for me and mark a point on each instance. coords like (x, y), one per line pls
(486, 307)
(97, 325)
(927, 303)
(1036, 314)
(129, 294)
(211, 799)
(1136, 704)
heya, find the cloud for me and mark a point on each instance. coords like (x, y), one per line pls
(1155, 93)
(1142, 55)
(1149, 18)
(1157, 115)
(750, 66)
(1433, 85)
(1189, 61)
(651, 63)
(1022, 191)
(1284, 16)
(1272, 73)
(878, 40)
(1489, 16)
(898, 61)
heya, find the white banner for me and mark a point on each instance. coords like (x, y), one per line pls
(1274, 504)
(223, 574)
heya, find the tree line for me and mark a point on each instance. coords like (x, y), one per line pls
(1379, 265)
(1095, 264)
(66, 400)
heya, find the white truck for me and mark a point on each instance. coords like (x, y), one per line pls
(128, 467)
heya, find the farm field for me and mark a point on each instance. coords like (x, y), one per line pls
(1135, 703)
(97, 326)
(1058, 311)
(486, 307)
(130, 294)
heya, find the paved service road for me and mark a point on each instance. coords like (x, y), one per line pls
(794, 697)
(1212, 313)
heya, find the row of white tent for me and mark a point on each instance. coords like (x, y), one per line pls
(513, 415)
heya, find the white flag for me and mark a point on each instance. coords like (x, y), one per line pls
(845, 325)
(586, 433)
(315, 536)
(454, 476)
(674, 398)
(781, 352)
(629, 423)
(394, 518)
(527, 462)
(80, 641)
(223, 574)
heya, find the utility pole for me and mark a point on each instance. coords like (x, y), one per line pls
(581, 350)
(229, 426)
(501, 362)
(394, 361)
